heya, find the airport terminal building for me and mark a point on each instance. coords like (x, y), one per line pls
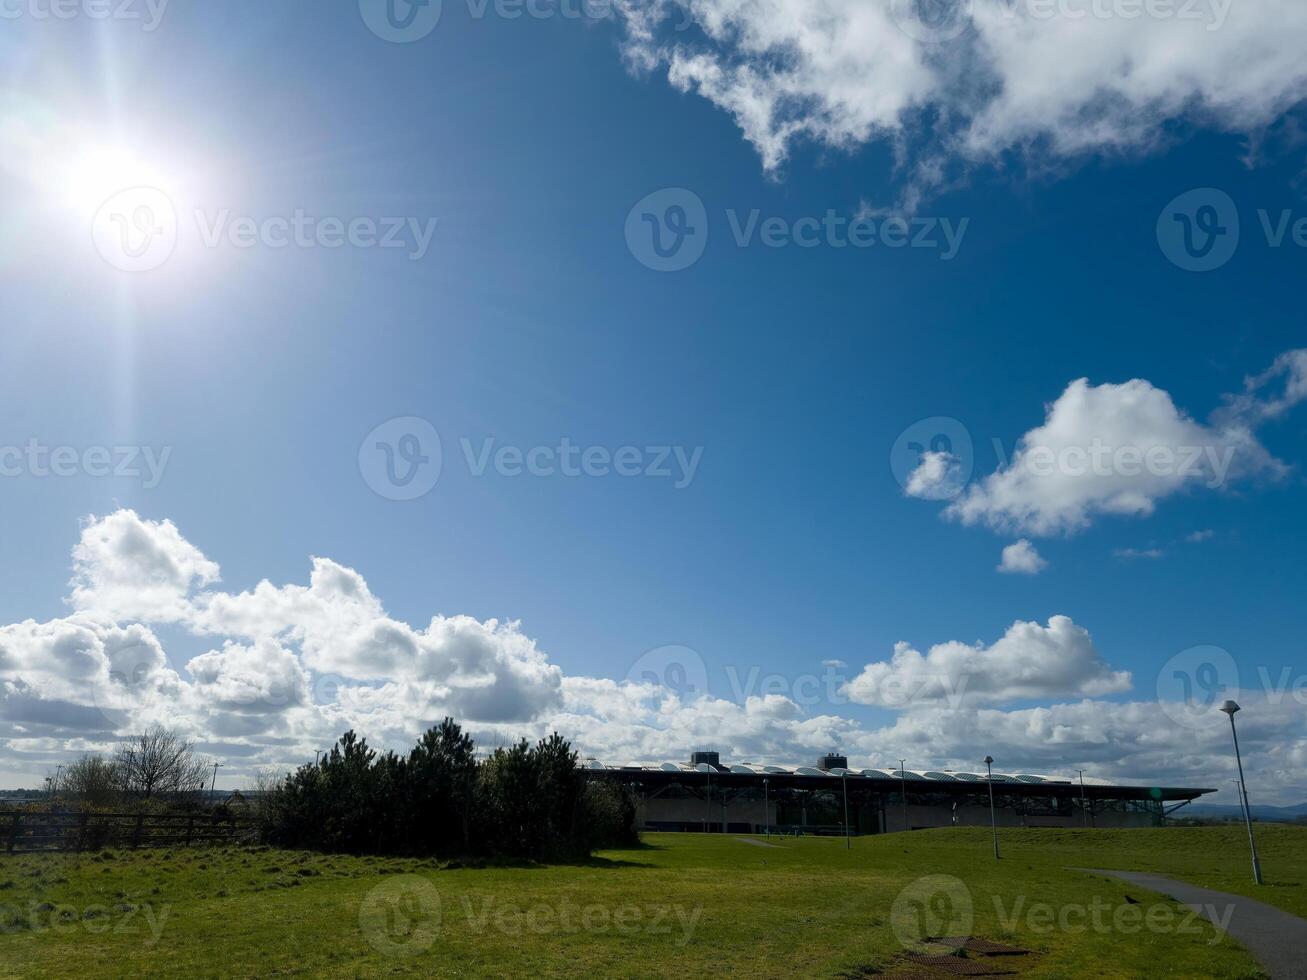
(704, 795)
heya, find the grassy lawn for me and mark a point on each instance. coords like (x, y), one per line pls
(680, 905)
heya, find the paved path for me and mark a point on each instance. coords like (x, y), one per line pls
(755, 843)
(1276, 938)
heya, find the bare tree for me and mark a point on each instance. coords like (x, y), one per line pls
(159, 762)
(92, 778)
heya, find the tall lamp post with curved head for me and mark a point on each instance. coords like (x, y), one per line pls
(1230, 707)
(993, 820)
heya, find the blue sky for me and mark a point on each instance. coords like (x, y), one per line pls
(530, 320)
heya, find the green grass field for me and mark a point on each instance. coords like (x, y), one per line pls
(680, 905)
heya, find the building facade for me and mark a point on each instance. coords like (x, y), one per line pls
(704, 795)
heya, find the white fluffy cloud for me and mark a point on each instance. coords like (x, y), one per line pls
(1055, 79)
(1028, 661)
(1022, 558)
(131, 568)
(299, 664)
(1118, 449)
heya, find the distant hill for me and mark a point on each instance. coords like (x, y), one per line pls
(1274, 814)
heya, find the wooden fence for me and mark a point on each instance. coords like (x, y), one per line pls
(25, 831)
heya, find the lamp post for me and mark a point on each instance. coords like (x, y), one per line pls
(993, 820)
(903, 791)
(766, 810)
(844, 785)
(216, 767)
(1084, 801)
(1230, 707)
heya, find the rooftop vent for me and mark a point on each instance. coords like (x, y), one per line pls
(831, 761)
(702, 758)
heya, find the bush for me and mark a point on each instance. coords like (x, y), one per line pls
(524, 802)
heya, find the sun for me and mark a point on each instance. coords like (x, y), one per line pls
(93, 174)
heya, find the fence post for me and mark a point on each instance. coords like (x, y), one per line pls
(13, 831)
(190, 826)
(81, 829)
(140, 829)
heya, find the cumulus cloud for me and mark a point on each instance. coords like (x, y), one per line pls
(296, 665)
(1028, 661)
(1119, 449)
(937, 477)
(129, 568)
(1051, 80)
(1022, 558)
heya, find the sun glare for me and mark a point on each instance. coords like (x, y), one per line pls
(97, 173)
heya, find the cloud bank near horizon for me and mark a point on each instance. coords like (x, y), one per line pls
(292, 667)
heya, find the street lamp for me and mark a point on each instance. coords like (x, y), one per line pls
(1230, 707)
(903, 783)
(1084, 801)
(993, 820)
(766, 810)
(216, 767)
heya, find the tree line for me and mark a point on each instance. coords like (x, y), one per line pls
(525, 801)
(155, 765)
